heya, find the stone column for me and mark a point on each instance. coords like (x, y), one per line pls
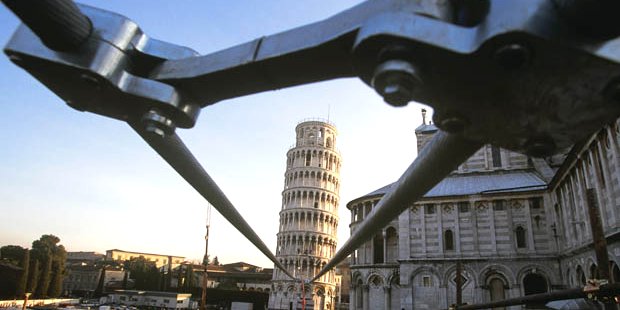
(387, 298)
(384, 246)
(366, 299)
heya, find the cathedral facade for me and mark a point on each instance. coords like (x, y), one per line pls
(517, 226)
(308, 220)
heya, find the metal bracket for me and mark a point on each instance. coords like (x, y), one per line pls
(106, 75)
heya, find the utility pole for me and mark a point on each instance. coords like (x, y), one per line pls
(205, 263)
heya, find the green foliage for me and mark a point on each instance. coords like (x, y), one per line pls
(12, 254)
(52, 256)
(144, 273)
(44, 278)
(189, 277)
(23, 277)
(55, 288)
(33, 276)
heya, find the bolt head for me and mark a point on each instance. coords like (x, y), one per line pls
(453, 124)
(450, 122)
(396, 81)
(512, 56)
(397, 95)
(156, 123)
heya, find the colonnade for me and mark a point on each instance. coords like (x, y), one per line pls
(308, 220)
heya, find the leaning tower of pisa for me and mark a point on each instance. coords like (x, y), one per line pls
(308, 219)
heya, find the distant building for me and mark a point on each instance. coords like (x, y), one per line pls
(84, 257)
(150, 299)
(518, 225)
(83, 280)
(159, 259)
(236, 276)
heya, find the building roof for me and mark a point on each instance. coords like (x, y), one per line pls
(142, 253)
(426, 128)
(461, 184)
(153, 293)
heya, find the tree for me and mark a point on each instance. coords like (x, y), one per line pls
(216, 262)
(45, 277)
(12, 254)
(55, 288)
(20, 290)
(189, 277)
(145, 274)
(33, 276)
(53, 256)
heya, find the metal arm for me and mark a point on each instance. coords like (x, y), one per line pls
(529, 76)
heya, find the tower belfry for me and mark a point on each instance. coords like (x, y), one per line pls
(308, 219)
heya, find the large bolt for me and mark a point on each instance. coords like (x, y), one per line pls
(512, 56)
(156, 123)
(396, 81)
(450, 122)
(540, 147)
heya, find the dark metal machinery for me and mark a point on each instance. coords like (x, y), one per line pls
(532, 76)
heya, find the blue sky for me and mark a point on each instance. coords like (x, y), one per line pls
(94, 183)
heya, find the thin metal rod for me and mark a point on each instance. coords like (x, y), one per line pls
(172, 149)
(573, 293)
(59, 24)
(441, 156)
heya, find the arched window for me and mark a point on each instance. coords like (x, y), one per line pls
(520, 236)
(448, 240)
(378, 249)
(594, 272)
(308, 158)
(615, 271)
(581, 276)
(392, 244)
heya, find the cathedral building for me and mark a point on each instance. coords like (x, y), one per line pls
(308, 220)
(517, 225)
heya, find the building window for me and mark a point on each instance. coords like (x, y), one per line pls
(520, 234)
(448, 238)
(427, 281)
(464, 206)
(308, 158)
(499, 205)
(496, 156)
(429, 208)
(535, 203)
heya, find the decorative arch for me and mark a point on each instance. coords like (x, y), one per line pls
(451, 272)
(534, 268)
(498, 269)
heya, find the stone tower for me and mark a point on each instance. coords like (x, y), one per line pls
(308, 219)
